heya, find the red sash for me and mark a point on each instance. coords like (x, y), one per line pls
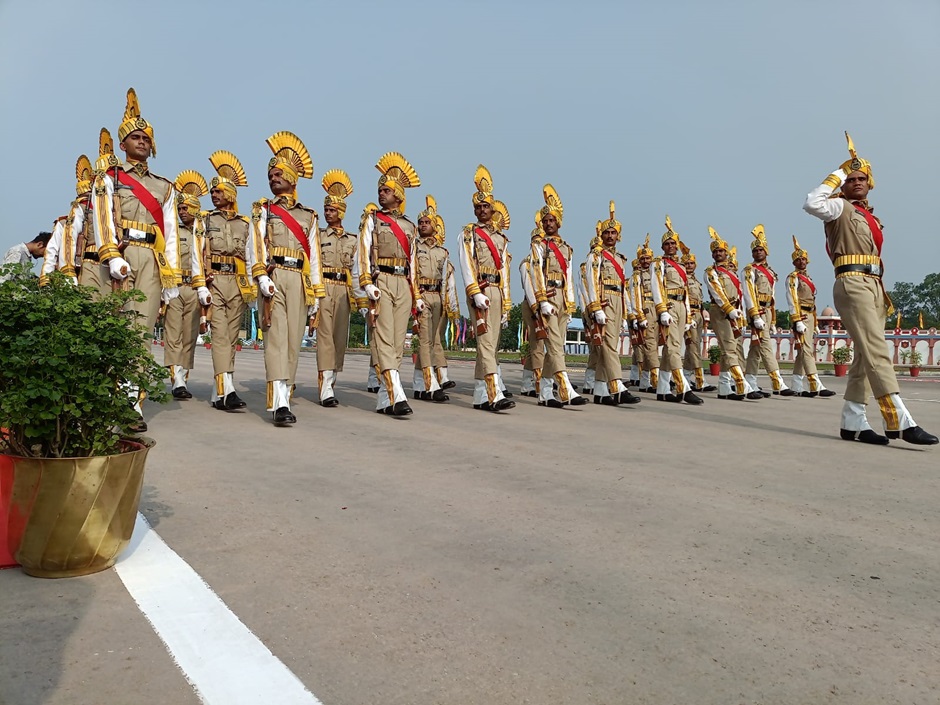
(397, 231)
(679, 268)
(146, 198)
(808, 283)
(560, 257)
(732, 277)
(610, 258)
(293, 226)
(766, 272)
(494, 253)
(876, 233)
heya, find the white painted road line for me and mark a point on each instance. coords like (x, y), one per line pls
(225, 663)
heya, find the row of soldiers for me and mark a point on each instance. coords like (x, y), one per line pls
(130, 227)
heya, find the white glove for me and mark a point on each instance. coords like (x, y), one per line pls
(205, 298)
(547, 309)
(372, 291)
(167, 295)
(312, 310)
(643, 323)
(73, 281)
(688, 327)
(758, 323)
(419, 305)
(734, 314)
(266, 285)
(363, 311)
(481, 302)
(800, 327)
(600, 317)
(665, 319)
(692, 325)
(116, 265)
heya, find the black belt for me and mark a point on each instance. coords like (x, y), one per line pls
(872, 269)
(734, 304)
(696, 307)
(429, 287)
(93, 256)
(400, 271)
(294, 262)
(139, 236)
(335, 276)
(807, 308)
(675, 297)
(554, 282)
(224, 267)
(613, 287)
(187, 279)
(489, 278)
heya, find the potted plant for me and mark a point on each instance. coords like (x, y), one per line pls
(524, 351)
(841, 357)
(238, 345)
(66, 363)
(207, 341)
(714, 360)
(914, 359)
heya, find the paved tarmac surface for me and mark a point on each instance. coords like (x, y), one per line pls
(737, 552)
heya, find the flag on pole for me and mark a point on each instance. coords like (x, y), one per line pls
(920, 320)
(898, 324)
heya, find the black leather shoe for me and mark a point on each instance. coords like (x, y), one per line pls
(608, 400)
(809, 394)
(915, 435)
(438, 396)
(423, 396)
(449, 384)
(757, 395)
(587, 390)
(826, 393)
(181, 393)
(534, 394)
(733, 397)
(329, 402)
(283, 417)
(578, 401)
(647, 390)
(786, 393)
(866, 436)
(502, 405)
(552, 404)
(232, 402)
(139, 426)
(597, 399)
(628, 398)
(507, 394)
(709, 388)
(690, 398)
(668, 397)
(373, 390)
(400, 408)
(485, 406)
(763, 394)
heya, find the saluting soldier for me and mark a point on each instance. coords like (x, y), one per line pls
(484, 263)
(181, 320)
(431, 271)
(669, 283)
(692, 359)
(760, 303)
(226, 250)
(337, 251)
(285, 261)
(384, 272)
(727, 321)
(553, 280)
(61, 253)
(135, 224)
(854, 238)
(801, 298)
(646, 319)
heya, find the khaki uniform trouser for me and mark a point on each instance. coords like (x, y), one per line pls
(671, 358)
(282, 341)
(805, 361)
(650, 354)
(536, 358)
(692, 359)
(557, 327)
(333, 327)
(228, 310)
(430, 330)
(488, 343)
(764, 350)
(180, 329)
(145, 275)
(97, 276)
(730, 351)
(608, 355)
(860, 302)
(387, 338)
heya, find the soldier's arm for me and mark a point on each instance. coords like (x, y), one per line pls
(195, 252)
(525, 273)
(316, 266)
(818, 201)
(170, 235)
(591, 284)
(537, 269)
(717, 291)
(658, 286)
(362, 265)
(104, 228)
(51, 258)
(74, 225)
(750, 293)
(504, 279)
(467, 263)
(793, 298)
(256, 256)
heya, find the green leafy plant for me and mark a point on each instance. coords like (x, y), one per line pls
(66, 361)
(714, 354)
(912, 357)
(524, 349)
(415, 343)
(842, 355)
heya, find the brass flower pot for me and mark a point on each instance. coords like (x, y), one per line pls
(79, 513)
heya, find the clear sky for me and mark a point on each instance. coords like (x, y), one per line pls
(722, 113)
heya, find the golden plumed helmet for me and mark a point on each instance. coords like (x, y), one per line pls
(611, 223)
(437, 222)
(338, 188)
(190, 186)
(290, 156)
(133, 121)
(670, 234)
(106, 157)
(687, 256)
(553, 205)
(83, 176)
(596, 242)
(645, 248)
(760, 239)
(366, 212)
(733, 257)
(397, 174)
(500, 216)
(798, 252)
(484, 184)
(230, 175)
(635, 263)
(857, 164)
(717, 243)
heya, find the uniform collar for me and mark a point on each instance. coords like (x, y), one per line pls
(141, 169)
(287, 200)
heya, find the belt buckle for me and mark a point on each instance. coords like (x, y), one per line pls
(875, 269)
(291, 262)
(226, 267)
(135, 234)
(399, 269)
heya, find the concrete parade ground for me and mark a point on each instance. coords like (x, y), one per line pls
(733, 553)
